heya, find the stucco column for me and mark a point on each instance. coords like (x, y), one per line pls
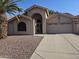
(33, 26)
(74, 26)
(44, 24)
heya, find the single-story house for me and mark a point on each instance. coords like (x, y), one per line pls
(38, 20)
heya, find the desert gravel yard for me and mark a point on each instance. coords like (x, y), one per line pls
(18, 47)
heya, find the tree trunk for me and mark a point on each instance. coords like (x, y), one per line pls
(3, 26)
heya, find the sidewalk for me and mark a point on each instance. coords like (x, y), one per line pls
(60, 46)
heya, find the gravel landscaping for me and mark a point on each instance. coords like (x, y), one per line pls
(19, 47)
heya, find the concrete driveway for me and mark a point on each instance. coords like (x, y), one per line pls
(59, 46)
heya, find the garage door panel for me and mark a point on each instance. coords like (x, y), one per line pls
(66, 28)
(59, 28)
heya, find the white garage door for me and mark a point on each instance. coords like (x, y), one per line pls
(59, 28)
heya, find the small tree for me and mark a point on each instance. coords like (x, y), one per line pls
(51, 11)
(10, 7)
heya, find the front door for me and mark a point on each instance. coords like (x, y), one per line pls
(38, 26)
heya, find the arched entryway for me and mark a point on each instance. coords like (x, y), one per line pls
(21, 26)
(38, 23)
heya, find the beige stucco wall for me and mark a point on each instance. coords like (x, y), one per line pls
(64, 19)
(59, 19)
(59, 24)
(12, 27)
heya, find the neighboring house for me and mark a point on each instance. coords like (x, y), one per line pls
(37, 20)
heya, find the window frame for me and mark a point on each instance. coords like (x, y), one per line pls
(21, 26)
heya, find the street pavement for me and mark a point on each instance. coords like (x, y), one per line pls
(57, 46)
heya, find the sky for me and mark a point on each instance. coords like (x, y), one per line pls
(63, 6)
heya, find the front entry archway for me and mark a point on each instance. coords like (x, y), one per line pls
(38, 23)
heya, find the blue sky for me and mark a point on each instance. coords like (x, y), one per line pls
(70, 6)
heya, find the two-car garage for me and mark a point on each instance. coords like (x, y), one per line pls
(60, 24)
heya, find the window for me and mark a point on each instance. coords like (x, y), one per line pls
(21, 26)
